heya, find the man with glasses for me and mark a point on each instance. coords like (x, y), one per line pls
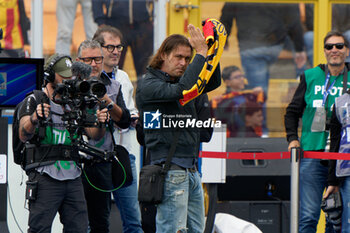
(125, 198)
(340, 22)
(312, 102)
(100, 174)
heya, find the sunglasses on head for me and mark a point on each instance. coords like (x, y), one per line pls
(337, 45)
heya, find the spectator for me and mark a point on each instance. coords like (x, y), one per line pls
(65, 14)
(225, 107)
(126, 197)
(15, 25)
(312, 102)
(98, 202)
(262, 30)
(134, 19)
(54, 181)
(159, 91)
(252, 115)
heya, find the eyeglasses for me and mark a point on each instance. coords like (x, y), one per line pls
(88, 60)
(337, 45)
(110, 48)
(237, 77)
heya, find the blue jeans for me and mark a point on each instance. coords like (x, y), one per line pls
(256, 63)
(182, 208)
(312, 182)
(309, 46)
(128, 205)
(345, 193)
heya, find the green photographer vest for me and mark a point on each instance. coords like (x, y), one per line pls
(315, 86)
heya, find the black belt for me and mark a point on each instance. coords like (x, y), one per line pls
(48, 154)
(174, 166)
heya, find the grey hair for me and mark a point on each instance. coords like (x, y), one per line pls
(89, 44)
(336, 33)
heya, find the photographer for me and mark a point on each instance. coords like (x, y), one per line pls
(54, 186)
(100, 174)
(125, 198)
(338, 171)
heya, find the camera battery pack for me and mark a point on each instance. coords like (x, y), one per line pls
(31, 190)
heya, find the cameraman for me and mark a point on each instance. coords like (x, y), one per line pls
(57, 183)
(100, 174)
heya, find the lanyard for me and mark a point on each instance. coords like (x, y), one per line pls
(113, 73)
(328, 89)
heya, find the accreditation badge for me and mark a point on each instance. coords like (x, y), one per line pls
(319, 121)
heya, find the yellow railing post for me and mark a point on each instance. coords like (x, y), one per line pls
(322, 25)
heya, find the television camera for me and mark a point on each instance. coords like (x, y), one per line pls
(80, 97)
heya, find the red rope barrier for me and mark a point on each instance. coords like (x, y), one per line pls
(272, 155)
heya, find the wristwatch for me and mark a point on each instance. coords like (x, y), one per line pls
(110, 106)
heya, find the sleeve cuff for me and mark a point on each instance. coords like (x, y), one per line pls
(292, 138)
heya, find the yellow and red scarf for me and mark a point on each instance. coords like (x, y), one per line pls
(215, 36)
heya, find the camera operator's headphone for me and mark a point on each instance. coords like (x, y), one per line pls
(49, 73)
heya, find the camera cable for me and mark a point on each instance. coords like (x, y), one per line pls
(11, 208)
(107, 190)
(109, 124)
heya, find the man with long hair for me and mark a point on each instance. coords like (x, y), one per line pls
(159, 92)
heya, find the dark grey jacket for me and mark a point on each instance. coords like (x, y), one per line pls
(157, 92)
